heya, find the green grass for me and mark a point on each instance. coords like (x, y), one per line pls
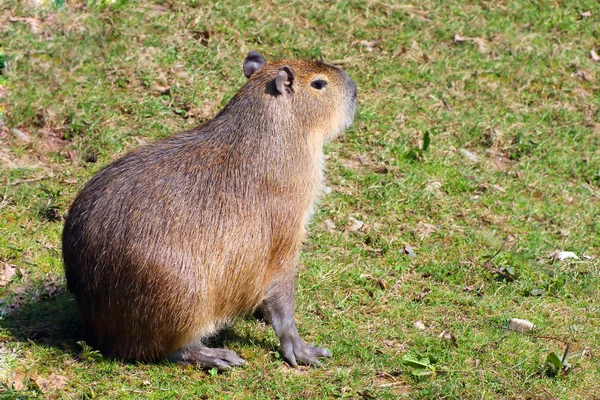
(521, 93)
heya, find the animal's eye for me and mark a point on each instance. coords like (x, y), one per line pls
(318, 84)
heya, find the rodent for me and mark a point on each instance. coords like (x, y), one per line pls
(173, 240)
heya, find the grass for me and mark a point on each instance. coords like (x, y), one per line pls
(511, 106)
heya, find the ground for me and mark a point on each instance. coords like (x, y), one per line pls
(473, 162)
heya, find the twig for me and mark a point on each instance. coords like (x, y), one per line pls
(15, 183)
(553, 397)
(564, 357)
(391, 384)
(536, 336)
(498, 252)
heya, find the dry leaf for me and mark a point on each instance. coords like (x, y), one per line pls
(424, 229)
(409, 250)
(469, 155)
(161, 89)
(51, 140)
(480, 42)
(329, 225)
(7, 272)
(381, 282)
(355, 224)
(434, 188)
(458, 38)
(53, 382)
(202, 36)
(21, 135)
(449, 336)
(422, 295)
(16, 381)
(419, 325)
(363, 160)
(582, 74)
(563, 255)
(520, 325)
(370, 45)
(595, 56)
(34, 23)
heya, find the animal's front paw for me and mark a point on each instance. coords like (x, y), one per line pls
(297, 351)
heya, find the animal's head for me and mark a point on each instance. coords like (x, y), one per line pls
(316, 96)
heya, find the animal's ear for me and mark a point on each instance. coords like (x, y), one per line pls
(284, 80)
(254, 60)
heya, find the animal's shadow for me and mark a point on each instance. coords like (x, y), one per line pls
(50, 321)
(54, 322)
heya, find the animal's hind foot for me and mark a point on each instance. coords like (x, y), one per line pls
(206, 357)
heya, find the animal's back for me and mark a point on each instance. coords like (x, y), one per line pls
(171, 231)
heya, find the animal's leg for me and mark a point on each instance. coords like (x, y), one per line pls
(206, 357)
(278, 309)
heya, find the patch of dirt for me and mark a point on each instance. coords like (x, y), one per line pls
(37, 146)
(499, 161)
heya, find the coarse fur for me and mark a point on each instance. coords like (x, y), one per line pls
(173, 240)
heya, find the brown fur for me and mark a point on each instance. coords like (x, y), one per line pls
(174, 239)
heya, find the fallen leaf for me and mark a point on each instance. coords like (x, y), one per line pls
(370, 45)
(21, 135)
(72, 155)
(16, 381)
(469, 155)
(51, 140)
(422, 295)
(419, 325)
(449, 336)
(355, 224)
(381, 282)
(202, 36)
(458, 38)
(362, 159)
(520, 325)
(53, 382)
(409, 250)
(582, 74)
(434, 188)
(480, 42)
(164, 90)
(366, 395)
(424, 229)
(595, 56)
(563, 255)
(329, 225)
(381, 169)
(33, 23)
(7, 272)
(50, 288)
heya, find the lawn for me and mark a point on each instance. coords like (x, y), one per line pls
(472, 163)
